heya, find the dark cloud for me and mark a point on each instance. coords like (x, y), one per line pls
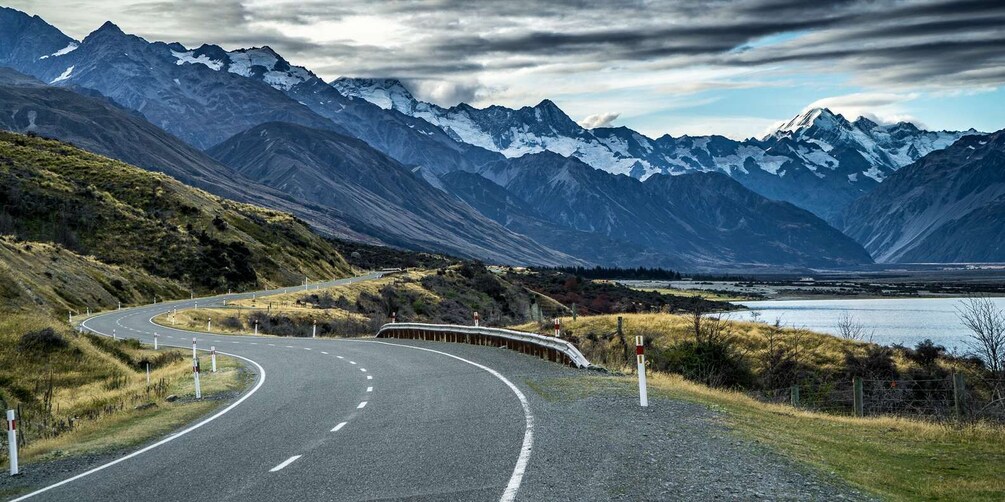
(888, 42)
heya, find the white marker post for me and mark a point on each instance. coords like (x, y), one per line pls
(212, 355)
(209, 325)
(120, 305)
(256, 328)
(558, 327)
(12, 441)
(70, 317)
(394, 317)
(148, 374)
(641, 357)
(476, 319)
(156, 336)
(114, 336)
(195, 374)
(314, 330)
(193, 348)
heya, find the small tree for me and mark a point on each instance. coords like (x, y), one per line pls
(851, 329)
(986, 323)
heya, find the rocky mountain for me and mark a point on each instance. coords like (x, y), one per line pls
(818, 160)
(697, 221)
(378, 195)
(191, 101)
(946, 207)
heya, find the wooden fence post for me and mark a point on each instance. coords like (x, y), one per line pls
(959, 396)
(857, 400)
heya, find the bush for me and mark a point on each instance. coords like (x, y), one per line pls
(43, 340)
(713, 363)
(877, 363)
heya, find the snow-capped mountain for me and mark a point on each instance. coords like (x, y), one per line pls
(946, 207)
(817, 160)
(258, 62)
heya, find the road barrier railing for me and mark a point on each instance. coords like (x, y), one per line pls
(545, 347)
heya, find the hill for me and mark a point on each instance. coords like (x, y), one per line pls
(123, 215)
(947, 207)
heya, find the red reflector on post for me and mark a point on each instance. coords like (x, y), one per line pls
(638, 350)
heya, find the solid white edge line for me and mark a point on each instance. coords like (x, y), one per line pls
(254, 389)
(285, 463)
(520, 468)
(339, 426)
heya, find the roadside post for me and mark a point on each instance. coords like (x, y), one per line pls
(114, 336)
(193, 348)
(314, 330)
(148, 374)
(156, 336)
(558, 327)
(640, 356)
(476, 319)
(195, 374)
(212, 356)
(209, 325)
(256, 328)
(12, 441)
(394, 317)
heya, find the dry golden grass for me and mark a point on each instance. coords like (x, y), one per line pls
(594, 338)
(95, 389)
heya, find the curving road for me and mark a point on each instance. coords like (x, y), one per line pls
(327, 420)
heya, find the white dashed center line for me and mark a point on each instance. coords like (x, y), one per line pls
(361, 405)
(369, 389)
(352, 362)
(285, 463)
(368, 377)
(339, 426)
(323, 352)
(340, 357)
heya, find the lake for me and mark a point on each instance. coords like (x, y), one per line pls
(893, 320)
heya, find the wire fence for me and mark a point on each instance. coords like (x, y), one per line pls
(950, 398)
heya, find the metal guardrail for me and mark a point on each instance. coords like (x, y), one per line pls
(545, 347)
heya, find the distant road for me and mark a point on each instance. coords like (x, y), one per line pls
(326, 419)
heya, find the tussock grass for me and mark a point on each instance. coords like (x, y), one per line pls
(79, 392)
(594, 335)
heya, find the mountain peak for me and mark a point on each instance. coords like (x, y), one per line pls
(109, 27)
(813, 117)
(386, 93)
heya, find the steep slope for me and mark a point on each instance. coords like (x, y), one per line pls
(695, 221)
(947, 207)
(377, 195)
(191, 101)
(123, 215)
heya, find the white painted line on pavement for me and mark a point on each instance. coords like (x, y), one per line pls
(528, 436)
(254, 389)
(361, 405)
(339, 426)
(340, 357)
(363, 370)
(289, 346)
(323, 352)
(285, 463)
(369, 389)
(352, 362)
(369, 377)
(307, 348)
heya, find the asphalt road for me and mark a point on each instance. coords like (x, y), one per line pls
(325, 420)
(344, 419)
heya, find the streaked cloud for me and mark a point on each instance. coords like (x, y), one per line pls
(599, 120)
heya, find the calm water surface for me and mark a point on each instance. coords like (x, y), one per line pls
(906, 321)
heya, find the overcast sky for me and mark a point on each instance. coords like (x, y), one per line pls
(685, 67)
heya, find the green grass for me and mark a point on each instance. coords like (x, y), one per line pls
(892, 458)
(123, 215)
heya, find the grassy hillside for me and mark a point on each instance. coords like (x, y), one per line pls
(79, 231)
(53, 192)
